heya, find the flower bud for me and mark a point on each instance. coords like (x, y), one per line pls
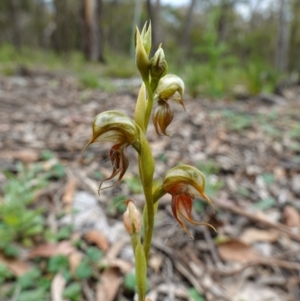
(146, 37)
(141, 57)
(132, 218)
(158, 66)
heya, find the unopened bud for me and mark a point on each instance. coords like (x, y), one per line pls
(132, 218)
(141, 57)
(158, 66)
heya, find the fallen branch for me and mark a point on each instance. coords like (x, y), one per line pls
(227, 205)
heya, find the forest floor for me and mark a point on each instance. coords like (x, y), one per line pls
(61, 241)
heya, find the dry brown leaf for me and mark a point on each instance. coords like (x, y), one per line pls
(252, 235)
(17, 267)
(109, 285)
(123, 265)
(57, 287)
(51, 249)
(26, 155)
(156, 261)
(117, 247)
(74, 261)
(69, 192)
(291, 216)
(235, 250)
(96, 237)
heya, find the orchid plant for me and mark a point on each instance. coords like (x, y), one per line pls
(183, 182)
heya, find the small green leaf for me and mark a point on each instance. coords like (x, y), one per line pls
(37, 294)
(72, 291)
(94, 254)
(84, 270)
(265, 204)
(29, 279)
(130, 282)
(195, 295)
(64, 233)
(58, 263)
(46, 155)
(268, 178)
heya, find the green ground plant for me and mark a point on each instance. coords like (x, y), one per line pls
(184, 183)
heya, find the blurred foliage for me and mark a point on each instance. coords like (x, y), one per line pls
(224, 52)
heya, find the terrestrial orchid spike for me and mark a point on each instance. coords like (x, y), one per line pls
(185, 183)
(116, 127)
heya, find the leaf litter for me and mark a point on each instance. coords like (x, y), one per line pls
(249, 151)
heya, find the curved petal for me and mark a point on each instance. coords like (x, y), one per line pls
(113, 126)
(120, 163)
(171, 87)
(162, 117)
(186, 179)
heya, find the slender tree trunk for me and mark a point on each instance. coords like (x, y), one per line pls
(185, 38)
(15, 17)
(136, 22)
(154, 15)
(92, 34)
(60, 34)
(283, 36)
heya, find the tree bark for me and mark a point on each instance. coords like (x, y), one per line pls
(60, 34)
(92, 42)
(16, 24)
(154, 15)
(185, 38)
(283, 37)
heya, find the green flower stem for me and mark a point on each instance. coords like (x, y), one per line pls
(140, 271)
(135, 240)
(149, 104)
(146, 168)
(148, 221)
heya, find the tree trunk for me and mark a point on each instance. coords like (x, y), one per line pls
(185, 38)
(15, 17)
(60, 34)
(153, 15)
(136, 22)
(283, 37)
(92, 42)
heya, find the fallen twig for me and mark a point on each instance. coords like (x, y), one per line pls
(226, 205)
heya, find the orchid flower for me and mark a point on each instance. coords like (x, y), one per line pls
(170, 87)
(185, 183)
(116, 127)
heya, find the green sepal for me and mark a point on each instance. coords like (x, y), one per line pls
(140, 108)
(146, 35)
(141, 57)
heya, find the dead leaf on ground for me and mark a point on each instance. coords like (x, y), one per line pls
(123, 265)
(74, 261)
(17, 267)
(57, 287)
(68, 195)
(51, 249)
(253, 235)
(26, 155)
(235, 250)
(291, 216)
(156, 261)
(96, 237)
(109, 285)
